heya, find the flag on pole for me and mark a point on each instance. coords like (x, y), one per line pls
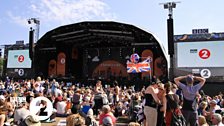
(143, 66)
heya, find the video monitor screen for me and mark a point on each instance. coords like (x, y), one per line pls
(18, 59)
(200, 54)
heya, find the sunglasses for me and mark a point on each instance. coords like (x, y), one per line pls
(212, 118)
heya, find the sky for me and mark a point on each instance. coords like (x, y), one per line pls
(148, 15)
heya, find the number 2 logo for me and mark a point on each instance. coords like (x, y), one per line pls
(204, 53)
(21, 58)
(206, 73)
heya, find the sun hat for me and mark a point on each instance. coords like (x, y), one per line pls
(32, 120)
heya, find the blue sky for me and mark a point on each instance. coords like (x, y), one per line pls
(145, 14)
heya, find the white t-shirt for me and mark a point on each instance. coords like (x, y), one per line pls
(61, 106)
(21, 114)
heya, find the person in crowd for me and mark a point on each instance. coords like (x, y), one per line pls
(86, 105)
(202, 108)
(217, 120)
(98, 87)
(3, 110)
(202, 121)
(172, 103)
(213, 106)
(116, 92)
(106, 112)
(58, 98)
(151, 104)
(107, 121)
(189, 92)
(75, 120)
(90, 120)
(61, 108)
(161, 107)
(57, 90)
(37, 85)
(10, 107)
(76, 98)
(21, 113)
(98, 98)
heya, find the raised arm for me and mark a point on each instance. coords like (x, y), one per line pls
(177, 79)
(200, 79)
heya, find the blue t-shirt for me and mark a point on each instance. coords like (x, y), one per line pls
(189, 92)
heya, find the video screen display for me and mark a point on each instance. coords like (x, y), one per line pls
(18, 59)
(200, 54)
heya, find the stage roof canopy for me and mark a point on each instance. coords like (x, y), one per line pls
(94, 34)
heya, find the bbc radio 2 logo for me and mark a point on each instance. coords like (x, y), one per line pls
(20, 58)
(42, 107)
(203, 53)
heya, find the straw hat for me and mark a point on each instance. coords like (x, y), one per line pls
(32, 121)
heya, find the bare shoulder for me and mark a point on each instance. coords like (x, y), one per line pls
(149, 89)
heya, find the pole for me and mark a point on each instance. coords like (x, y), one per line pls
(170, 6)
(170, 45)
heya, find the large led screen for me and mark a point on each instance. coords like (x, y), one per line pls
(200, 54)
(18, 59)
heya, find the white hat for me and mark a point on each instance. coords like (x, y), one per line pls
(213, 101)
(32, 120)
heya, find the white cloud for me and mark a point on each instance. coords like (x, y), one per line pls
(17, 19)
(65, 11)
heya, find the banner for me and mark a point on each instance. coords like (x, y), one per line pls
(17, 100)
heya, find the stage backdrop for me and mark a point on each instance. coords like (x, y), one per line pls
(52, 68)
(61, 61)
(110, 68)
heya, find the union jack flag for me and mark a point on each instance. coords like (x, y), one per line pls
(143, 66)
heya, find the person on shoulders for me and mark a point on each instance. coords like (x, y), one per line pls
(190, 92)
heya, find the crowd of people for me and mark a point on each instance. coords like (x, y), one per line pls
(99, 104)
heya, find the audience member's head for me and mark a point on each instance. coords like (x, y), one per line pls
(189, 80)
(213, 103)
(106, 109)
(216, 119)
(203, 105)
(168, 87)
(201, 120)
(75, 120)
(107, 121)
